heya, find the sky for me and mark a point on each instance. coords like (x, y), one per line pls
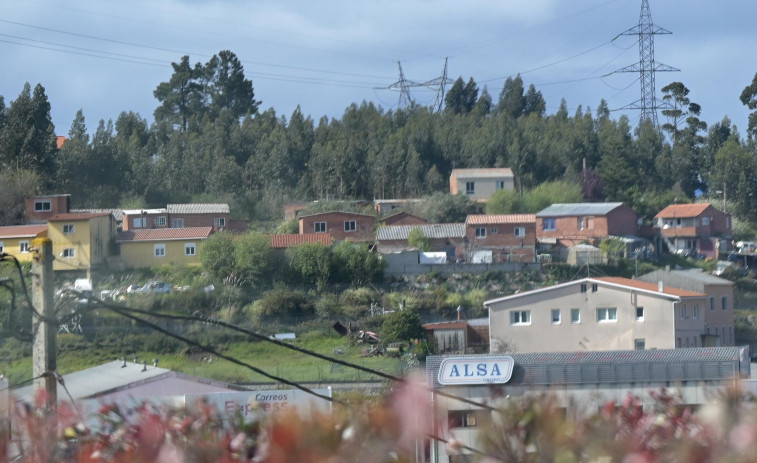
(106, 57)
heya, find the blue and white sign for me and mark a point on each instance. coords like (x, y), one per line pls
(482, 370)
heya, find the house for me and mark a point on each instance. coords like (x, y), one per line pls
(608, 313)
(506, 238)
(718, 312)
(41, 208)
(342, 226)
(81, 241)
(178, 216)
(292, 209)
(402, 218)
(480, 184)
(387, 206)
(444, 237)
(285, 241)
(151, 247)
(697, 228)
(137, 219)
(16, 240)
(569, 224)
(460, 336)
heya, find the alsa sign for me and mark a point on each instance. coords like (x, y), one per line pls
(463, 370)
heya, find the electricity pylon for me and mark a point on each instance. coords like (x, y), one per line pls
(439, 83)
(403, 85)
(646, 67)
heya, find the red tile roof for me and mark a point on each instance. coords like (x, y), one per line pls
(455, 325)
(486, 219)
(22, 231)
(59, 141)
(682, 210)
(77, 216)
(288, 241)
(650, 287)
(164, 234)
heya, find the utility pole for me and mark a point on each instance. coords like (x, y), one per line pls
(43, 354)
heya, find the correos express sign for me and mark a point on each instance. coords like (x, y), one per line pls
(467, 370)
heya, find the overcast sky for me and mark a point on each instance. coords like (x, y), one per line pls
(106, 57)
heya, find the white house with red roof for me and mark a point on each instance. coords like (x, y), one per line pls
(694, 228)
(594, 314)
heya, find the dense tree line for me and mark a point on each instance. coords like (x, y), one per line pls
(208, 141)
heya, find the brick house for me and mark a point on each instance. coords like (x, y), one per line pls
(480, 184)
(41, 208)
(569, 224)
(698, 228)
(403, 218)
(342, 226)
(508, 237)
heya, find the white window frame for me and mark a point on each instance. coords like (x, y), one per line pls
(320, 227)
(683, 312)
(575, 315)
(639, 344)
(159, 221)
(519, 231)
(500, 185)
(556, 316)
(520, 317)
(23, 247)
(494, 230)
(581, 222)
(159, 250)
(480, 232)
(350, 226)
(470, 188)
(607, 314)
(69, 228)
(705, 221)
(43, 205)
(177, 223)
(549, 223)
(219, 222)
(140, 222)
(190, 249)
(68, 253)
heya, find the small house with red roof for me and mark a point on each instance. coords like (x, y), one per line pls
(599, 314)
(507, 237)
(159, 246)
(694, 229)
(16, 240)
(81, 240)
(342, 226)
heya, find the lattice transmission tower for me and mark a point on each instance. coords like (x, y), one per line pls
(647, 66)
(439, 84)
(404, 85)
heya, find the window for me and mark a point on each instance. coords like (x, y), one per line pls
(319, 227)
(548, 223)
(695, 311)
(480, 232)
(712, 303)
(555, 316)
(683, 312)
(467, 418)
(494, 230)
(639, 314)
(140, 222)
(607, 314)
(639, 344)
(470, 188)
(594, 287)
(500, 185)
(68, 253)
(69, 228)
(219, 222)
(583, 287)
(160, 250)
(190, 249)
(177, 223)
(520, 231)
(705, 221)
(2, 247)
(581, 223)
(520, 317)
(725, 303)
(43, 206)
(23, 246)
(350, 225)
(159, 221)
(575, 315)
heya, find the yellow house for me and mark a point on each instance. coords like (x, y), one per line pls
(159, 246)
(16, 240)
(81, 241)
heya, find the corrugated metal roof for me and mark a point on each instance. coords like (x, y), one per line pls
(431, 231)
(290, 240)
(198, 208)
(77, 216)
(487, 219)
(650, 286)
(682, 210)
(454, 325)
(570, 209)
(164, 234)
(483, 173)
(622, 366)
(145, 211)
(22, 231)
(337, 212)
(117, 213)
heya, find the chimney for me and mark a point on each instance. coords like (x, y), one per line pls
(660, 287)
(459, 312)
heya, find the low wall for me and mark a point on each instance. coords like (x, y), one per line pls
(406, 263)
